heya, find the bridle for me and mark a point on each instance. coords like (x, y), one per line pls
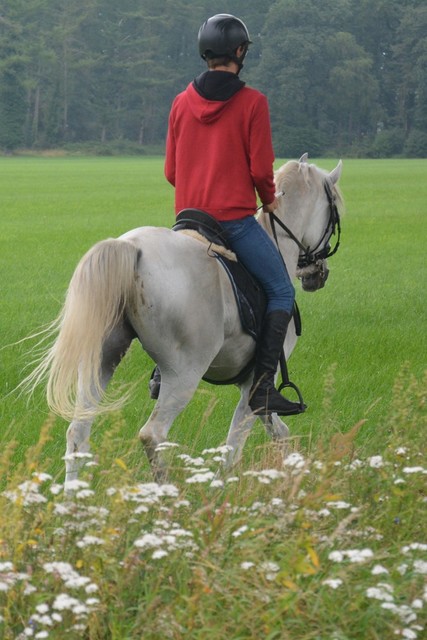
(310, 256)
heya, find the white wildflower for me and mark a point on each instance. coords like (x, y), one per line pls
(247, 565)
(166, 445)
(420, 567)
(353, 555)
(160, 553)
(378, 569)
(357, 555)
(148, 541)
(333, 583)
(232, 479)
(64, 602)
(270, 566)
(222, 450)
(270, 569)
(414, 470)
(200, 477)
(217, 484)
(41, 477)
(91, 588)
(240, 531)
(376, 462)
(75, 485)
(400, 451)
(414, 546)
(195, 462)
(42, 608)
(338, 504)
(382, 591)
(56, 488)
(402, 569)
(78, 455)
(355, 464)
(336, 556)
(294, 460)
(85, 493)
(89, 540)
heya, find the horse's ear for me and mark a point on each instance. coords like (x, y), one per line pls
(303, 158)
(335, 174)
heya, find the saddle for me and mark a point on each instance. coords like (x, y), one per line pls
(250, 297)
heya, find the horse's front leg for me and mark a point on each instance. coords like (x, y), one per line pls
(240, 428)
(277, 430)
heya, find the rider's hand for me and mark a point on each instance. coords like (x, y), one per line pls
(270, 208)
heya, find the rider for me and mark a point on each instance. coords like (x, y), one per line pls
(218, 153)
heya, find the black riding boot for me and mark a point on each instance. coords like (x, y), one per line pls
(154, 384)
(264, 398)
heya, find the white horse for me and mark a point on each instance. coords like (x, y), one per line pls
(166, 289)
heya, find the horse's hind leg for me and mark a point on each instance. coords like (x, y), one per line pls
(176, 391)
(78, 432)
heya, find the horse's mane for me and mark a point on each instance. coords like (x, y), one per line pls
(293, 170)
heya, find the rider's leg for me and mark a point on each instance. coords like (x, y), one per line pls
(258, 253)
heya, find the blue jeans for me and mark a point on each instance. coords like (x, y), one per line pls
(258, 253)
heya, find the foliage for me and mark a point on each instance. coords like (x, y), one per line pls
(102, 71)
(326, 543)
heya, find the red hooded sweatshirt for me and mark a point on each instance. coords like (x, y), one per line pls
(219, 151)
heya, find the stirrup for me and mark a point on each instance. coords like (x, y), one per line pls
(292, 385)
(264, 402)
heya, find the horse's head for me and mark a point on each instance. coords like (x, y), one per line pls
(313, 215)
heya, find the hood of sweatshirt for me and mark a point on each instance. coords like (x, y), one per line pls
(208, 95)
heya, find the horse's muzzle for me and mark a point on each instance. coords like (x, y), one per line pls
(314, 276)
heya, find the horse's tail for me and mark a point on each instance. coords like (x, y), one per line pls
(100, 289)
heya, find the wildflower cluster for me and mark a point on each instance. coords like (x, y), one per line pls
(90, 560)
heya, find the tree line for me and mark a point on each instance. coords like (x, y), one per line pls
(342, 76)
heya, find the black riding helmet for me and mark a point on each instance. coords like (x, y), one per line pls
(221, 35)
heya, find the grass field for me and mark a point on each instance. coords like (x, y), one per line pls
(357, 332)
(327, 547)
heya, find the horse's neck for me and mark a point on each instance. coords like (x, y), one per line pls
(288, 248)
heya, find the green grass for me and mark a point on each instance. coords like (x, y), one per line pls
(359, 330)
(360, 361)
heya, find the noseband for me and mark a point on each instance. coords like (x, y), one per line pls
(309, 256)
